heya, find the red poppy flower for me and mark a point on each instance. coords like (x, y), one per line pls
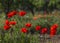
(6, 27)
(7, 22)
(24, 30)
(53, 30)
(22, 13)
(52, 33)
(54, 27)
(38, 28)
(28, 24)
(44, 30)
(12, 22)
(12, 13)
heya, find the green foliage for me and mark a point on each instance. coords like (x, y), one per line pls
(37, 3)
(14, 4)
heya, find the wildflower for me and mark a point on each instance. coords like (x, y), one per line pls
(22, 13)
(53, 30)
(12, 22)
(12, 13)
(24, 30)
(52, 33)
(7, 22)
(44, 30)
(54, 27)
(38, 28)
(28, 24)
(6, 27)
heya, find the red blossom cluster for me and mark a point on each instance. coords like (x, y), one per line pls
(53, 29)
(43, 30)
(12, 13)
(37, 28)
(24, 30)
(8, 24)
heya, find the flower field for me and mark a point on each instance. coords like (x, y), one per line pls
(29, 21)
(23, 27)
